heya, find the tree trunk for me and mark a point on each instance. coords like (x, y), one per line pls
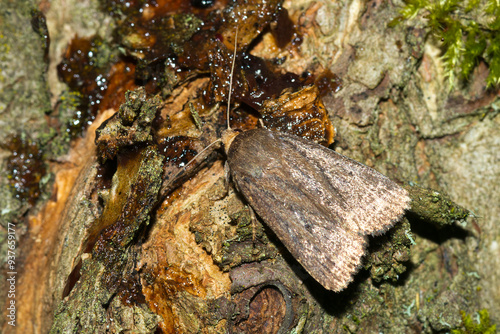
(125, 237)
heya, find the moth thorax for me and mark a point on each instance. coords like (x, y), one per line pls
(227, 138)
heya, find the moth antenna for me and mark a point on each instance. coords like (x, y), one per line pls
(201, 152)
(261, 122)
(231, 77)
(228, 101)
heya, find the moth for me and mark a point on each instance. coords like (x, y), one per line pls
(320, 204)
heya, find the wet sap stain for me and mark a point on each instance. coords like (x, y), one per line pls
(25, 167)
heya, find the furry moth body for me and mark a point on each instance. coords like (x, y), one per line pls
(319, 203)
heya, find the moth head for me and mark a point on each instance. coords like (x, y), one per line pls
(227, 138)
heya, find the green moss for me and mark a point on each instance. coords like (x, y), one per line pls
(389, 254)
(131, 125)
(463, 39)
(434, 207)
(481, 325)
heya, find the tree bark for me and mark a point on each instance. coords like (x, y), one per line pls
(164, 249)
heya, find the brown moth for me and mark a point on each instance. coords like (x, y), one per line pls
(319, 203)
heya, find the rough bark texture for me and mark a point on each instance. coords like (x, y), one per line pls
(196, 262)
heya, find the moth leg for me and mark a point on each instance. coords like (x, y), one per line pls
(253, 217)
(261, 122)
(227, 177)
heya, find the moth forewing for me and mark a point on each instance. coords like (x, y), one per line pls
(319, 203)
